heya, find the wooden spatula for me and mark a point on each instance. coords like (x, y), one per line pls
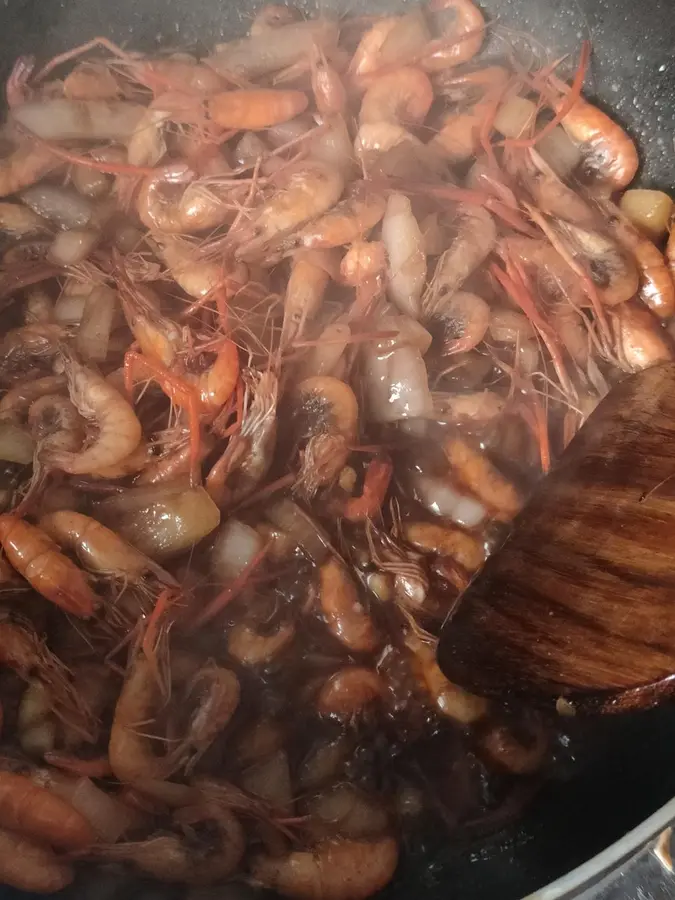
(579, 602)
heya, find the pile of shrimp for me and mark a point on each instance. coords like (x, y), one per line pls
(289, 333)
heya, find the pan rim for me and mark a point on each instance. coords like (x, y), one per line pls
(603, 867)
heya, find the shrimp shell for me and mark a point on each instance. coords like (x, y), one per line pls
(39, 560)
(31, 866)
(119, 431)
(343, 611)
(38, 813)
(255, 110)
(332, 870)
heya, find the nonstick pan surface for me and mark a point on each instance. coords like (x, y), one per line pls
(617, 772)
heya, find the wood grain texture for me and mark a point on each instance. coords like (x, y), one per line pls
(580, 600)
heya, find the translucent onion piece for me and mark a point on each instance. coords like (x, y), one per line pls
(93, 334)
(72, 247)
(298, 525)
(70, 120)
(235, 546)
(63, 206)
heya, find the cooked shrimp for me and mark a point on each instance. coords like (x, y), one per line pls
(255, 109)
(307, 283)
(609, 152)
(252, 647)
(549, 193)
(332, 870)
(410, 580)
(22, 651)
(212, 694)
(158, 336)
(349, 221)
(91, 81)
(670, 253)
(119, 431)
(248, 455)
(657, 289)
(147, 144)
(198, 277)
(21, 346)
(327, 412)
(640, 340)
(99, 549)
(17, 401)
(477, 473)
(176, 859)
(35, 556)
(521, 751)
(329, 92)
(57, 427)
(130, 749)
(366, 58)
(24, 166)
(343, 611)
(217, 382)
(375, 487)
(362, 267)
(476, 236)
(173, 202)
(612, 270)
(31, 867)
(461, 28)
(463, 320)
(446, 540)
(449, 699)
(349, 691)
(473, 96)
(554, 277)
(403, 97)
(407, 263)
(39, 814)
(307, 191)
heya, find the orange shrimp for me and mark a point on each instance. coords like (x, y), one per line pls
(40, 814)
(462, 29)
(26, 165)
(344, 613)
(179, 391)
(375, 487)
(328, 409)
(329, 92)
(657, 288)
(349, 691)
(217, 383)
(348, 221)
(474, 98)
(256, 109)
(248, 455)
(609, 151)
(403, 96)
(172, 201)
(35, 556)
(31, 866)
(332, 870)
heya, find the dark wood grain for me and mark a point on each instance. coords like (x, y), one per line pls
(580, 600)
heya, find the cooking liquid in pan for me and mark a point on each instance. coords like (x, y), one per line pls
(369, 411)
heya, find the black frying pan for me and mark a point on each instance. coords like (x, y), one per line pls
(625, 768)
